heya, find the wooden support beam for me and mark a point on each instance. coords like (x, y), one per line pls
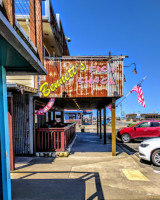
(34, 128)
(81, 118)
(91, 118)
(54, 117)
(113, 128)
(62, 116)
(97, 122)
(30, 123)
(11, 135)
(104, 124)
(100, 125)
(49, 116)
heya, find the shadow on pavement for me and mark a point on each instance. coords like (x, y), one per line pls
(91, 142)
(36, 160)
(55, 188)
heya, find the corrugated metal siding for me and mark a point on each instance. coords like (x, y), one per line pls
(74, 89)
(21, 123)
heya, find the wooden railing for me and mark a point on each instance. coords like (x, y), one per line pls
(54, 139)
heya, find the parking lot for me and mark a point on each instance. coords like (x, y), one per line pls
(132, 149)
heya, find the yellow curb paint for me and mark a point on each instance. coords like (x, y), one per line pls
(134, 175)
(118, 139)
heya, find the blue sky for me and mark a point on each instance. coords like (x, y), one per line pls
(125, 27)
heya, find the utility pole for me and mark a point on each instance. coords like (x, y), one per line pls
(121, 109)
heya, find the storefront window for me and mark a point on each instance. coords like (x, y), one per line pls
(72, 116)
(78, 116)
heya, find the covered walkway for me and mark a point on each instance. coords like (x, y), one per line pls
(90, 172)
(92, 145)
(75, 177)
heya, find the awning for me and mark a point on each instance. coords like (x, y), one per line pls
(15, 55)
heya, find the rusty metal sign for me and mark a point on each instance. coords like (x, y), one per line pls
(82, 77)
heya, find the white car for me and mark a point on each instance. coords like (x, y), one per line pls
(150, 150)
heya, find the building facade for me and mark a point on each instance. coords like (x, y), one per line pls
(43, 28)
(18, 56)
(80, 117)
(143, 116)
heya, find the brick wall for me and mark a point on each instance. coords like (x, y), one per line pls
(9, 8)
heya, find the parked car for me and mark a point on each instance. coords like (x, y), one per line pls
(143, 129)
(150, 150)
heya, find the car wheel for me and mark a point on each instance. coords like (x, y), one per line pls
(126, 138)
(156, 157)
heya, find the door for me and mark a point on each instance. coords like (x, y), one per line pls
(153, 129)
(141, 130)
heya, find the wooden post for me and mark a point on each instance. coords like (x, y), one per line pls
(100, 125)
(97, 122)
(91, 118)
(49, 116)
(104, 120)
(11, 135)
(54, 115)
(81, 118)
(34, 128)
(62, 116)
(63, 141)
(113, 128)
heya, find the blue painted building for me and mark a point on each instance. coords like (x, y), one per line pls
(16, 58)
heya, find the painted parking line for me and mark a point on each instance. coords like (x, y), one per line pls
(134, 175)
(157, 172)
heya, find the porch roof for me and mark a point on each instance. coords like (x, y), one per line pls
(15, 55)
(83, 103)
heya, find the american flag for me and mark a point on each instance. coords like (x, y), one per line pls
(138, 89)
(110, 107)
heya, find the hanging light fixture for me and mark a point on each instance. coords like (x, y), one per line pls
(124, 79)
(135, 70)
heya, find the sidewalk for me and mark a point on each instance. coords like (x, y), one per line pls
(90, 172)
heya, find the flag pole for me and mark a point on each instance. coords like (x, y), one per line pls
(130, 92)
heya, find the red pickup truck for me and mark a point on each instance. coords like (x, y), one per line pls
(143, 129)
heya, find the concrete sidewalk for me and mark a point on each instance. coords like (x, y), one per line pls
(90, 172)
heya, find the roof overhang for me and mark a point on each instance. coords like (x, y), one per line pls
(49, 38)
(48, 33)
(83, 103)
(19, 59)
(19, 87)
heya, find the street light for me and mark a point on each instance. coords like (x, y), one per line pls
(135, 70)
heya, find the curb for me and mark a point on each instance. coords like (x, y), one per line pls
(72, 143)
(126, 149)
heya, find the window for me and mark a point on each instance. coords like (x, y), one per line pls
(154, 124)
(78, 116)
(144, 124)
(72, 116)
